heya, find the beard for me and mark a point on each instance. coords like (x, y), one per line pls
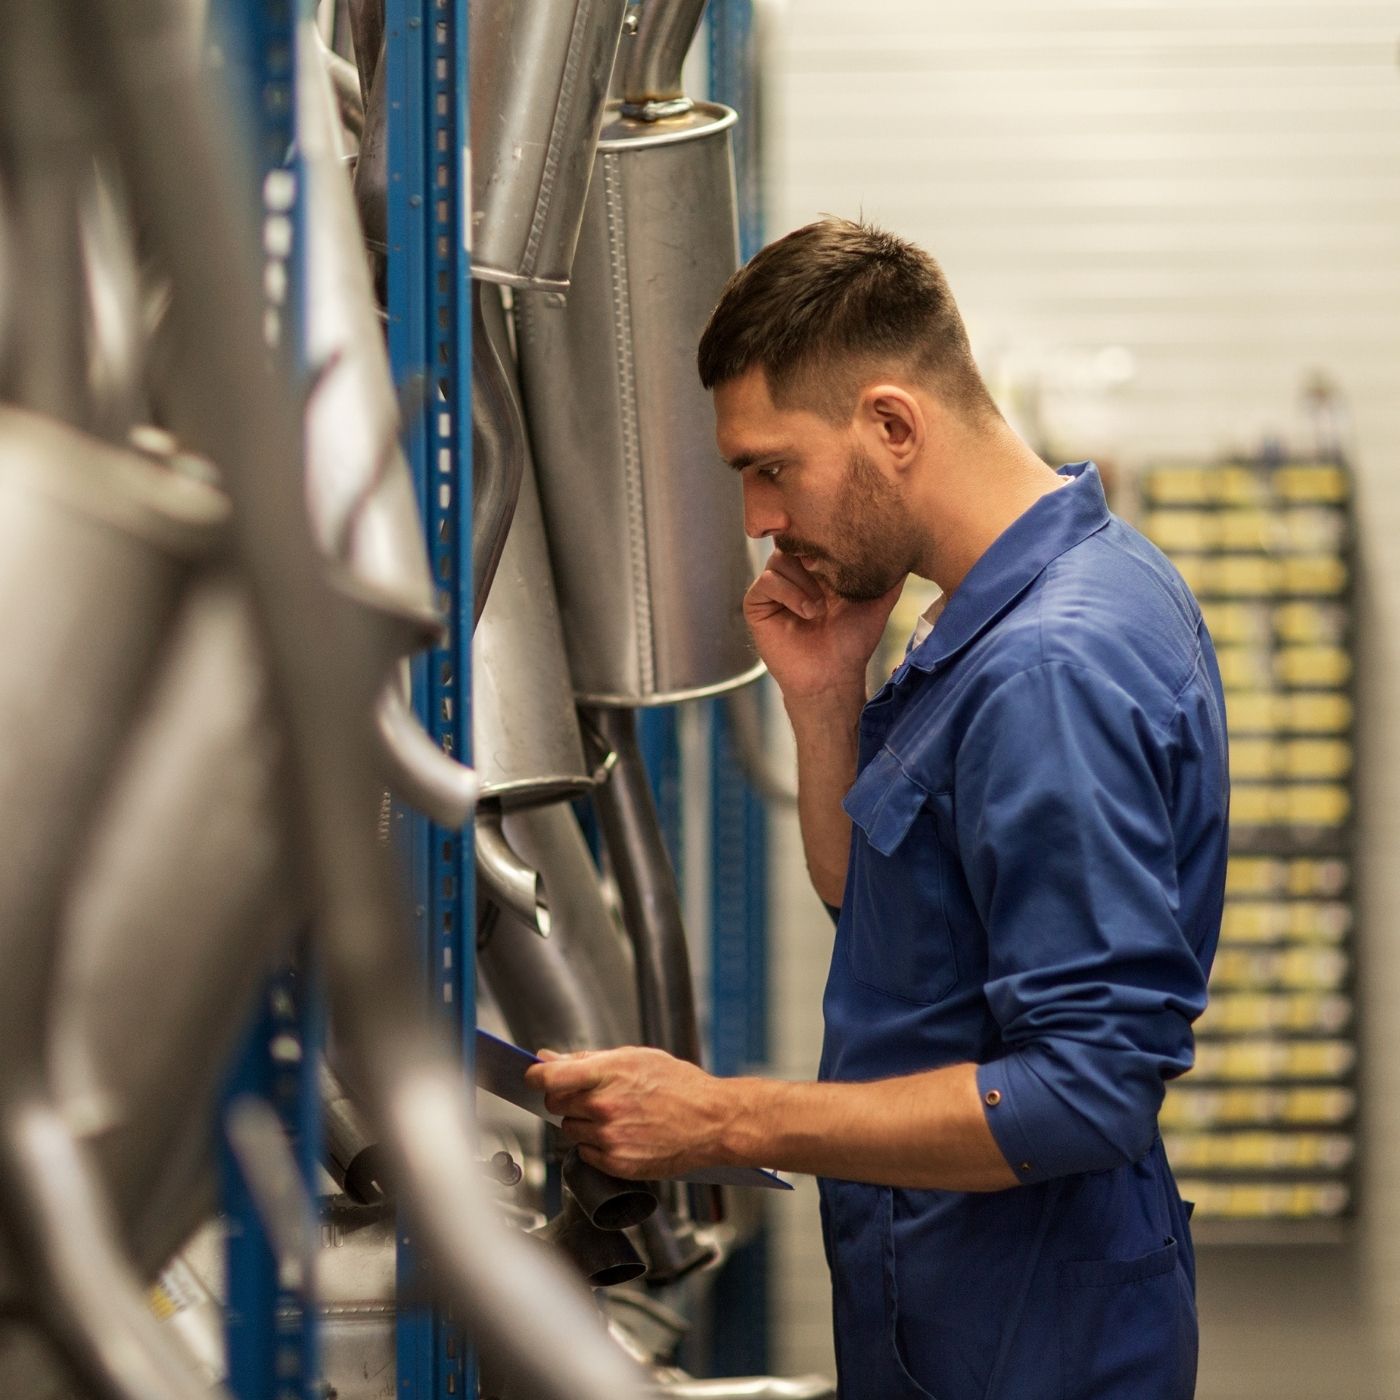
(872, 554)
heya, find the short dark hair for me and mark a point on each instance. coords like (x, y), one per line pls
(828, 306)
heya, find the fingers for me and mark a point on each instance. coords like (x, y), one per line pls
(566, 1074)
(795, 571)
(788, 586)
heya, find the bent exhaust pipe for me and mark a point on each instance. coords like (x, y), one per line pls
(604, 1257)
(573, 990)
(360, 491)
(507, 879)
(190, 177)
(177, 915)
(525, 731)
(95, 543)
(646, 882)
(609, 1202)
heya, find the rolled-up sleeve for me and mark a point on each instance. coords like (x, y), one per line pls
(1063, 823)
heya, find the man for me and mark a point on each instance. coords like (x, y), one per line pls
(1024, 831)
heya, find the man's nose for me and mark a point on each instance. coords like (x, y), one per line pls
(763, 514)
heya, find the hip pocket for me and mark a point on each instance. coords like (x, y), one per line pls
(899, 939)
(1127, 1328)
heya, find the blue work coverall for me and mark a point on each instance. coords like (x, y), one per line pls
(1035, 886)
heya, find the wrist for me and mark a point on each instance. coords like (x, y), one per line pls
(842, 698)
(752, 1108)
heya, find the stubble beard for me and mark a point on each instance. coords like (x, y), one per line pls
(868, 519)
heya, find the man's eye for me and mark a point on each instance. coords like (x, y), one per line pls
(771, 472)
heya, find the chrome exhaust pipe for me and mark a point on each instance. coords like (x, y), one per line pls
(539, 84)
(573, 990)
(189, 176)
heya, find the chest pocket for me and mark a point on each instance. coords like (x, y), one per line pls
(898, 939)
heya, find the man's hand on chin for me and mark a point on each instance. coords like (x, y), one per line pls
(637, 1113)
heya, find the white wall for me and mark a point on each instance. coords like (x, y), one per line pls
(1208, 191)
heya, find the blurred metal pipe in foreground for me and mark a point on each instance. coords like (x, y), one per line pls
(360, 491)
(359, 488)
(114, 312)
(193, 182)
(178, 912)
(96, 545)
(415, 767)
(44, 160)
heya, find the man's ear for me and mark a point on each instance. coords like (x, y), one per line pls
(893, 420)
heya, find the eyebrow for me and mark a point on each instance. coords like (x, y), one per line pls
(747, 459)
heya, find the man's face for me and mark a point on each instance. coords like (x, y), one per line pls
(812, 489)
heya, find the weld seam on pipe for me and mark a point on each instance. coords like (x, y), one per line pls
(631, 426)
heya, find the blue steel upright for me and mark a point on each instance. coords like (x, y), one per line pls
(429, 271)
(739, 823)
(271, 1331)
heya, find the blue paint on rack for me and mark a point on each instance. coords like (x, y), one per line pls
(271, 1333)
(430, 347)
(739, 827)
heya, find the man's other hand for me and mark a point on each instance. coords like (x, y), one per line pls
(811, 640)
(636, 1113)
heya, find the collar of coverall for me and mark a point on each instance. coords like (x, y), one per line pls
(1015, 559)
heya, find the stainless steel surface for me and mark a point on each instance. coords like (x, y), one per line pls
(525, 736)
(180, 906)
(367, 36)
(506, 879)
(747, 1388)
(372, 170)
(186, 172)
(573, 990)
(114, 315)
(604, 1257)
(44, 164)
(539, 81)
(416, 768)
(345, 79)
(359, 488)
(77, 1279)
(96, 545)
(498, 440)
(609, 1202)
(645, 524)
(651, 74)
(651, 905)
(352, 1151)
(674, 1248)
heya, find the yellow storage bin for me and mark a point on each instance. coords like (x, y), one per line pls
(1311, 483)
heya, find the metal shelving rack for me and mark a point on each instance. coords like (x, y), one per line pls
(739, 823)
(429, 272)
(270, 1326)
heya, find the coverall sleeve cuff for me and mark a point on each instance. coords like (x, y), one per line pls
(1004, 1092)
